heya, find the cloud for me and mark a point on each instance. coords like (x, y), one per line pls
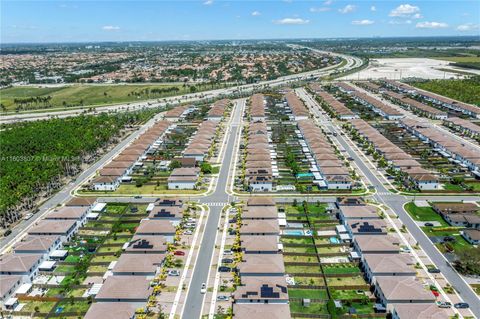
(347, 9)
(468, 27)
(319, 9)
(256, 13)
(208, 2)
(291, 21)
(328, 2)
(363, 22)
(405, 11)
(400, 22)
(110, 28)
(373, 8)
(431, 25)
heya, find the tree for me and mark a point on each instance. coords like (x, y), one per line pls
(206, 168)
(468, 261)
(174, 164)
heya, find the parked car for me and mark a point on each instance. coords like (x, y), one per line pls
(179, 253)
(227, 252)
(28, 216)
(203, 289)
(428, 224)
(434, 270)
(444, 304)
(174, 273)
(224, 269)
(222, 298)
(138, 196)
(7, 232)
(462, 305)
(227, 260)
(190, 225)
(188, 232)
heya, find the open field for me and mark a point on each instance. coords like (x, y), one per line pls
(400, 68)
(87, 95)
(460, 58)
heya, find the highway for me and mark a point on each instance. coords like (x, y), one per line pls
(195, 300)
(396, 203)
(192, 97)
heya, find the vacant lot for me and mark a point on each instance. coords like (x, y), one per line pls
(424, 214)
(460, 59)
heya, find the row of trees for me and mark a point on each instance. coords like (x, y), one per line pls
(465, 90)
(36, 156)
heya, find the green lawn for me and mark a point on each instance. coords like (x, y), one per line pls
(306, 249)
(308, 293)
(425, 214)
(79, 307)
(314, 269)
(43, 306)
(297, 240)
(460, 59)
(88, 95)
(341, 269)
(312, 281)
(347, 294)
(300, 259)
(314, 308)
(345, 281)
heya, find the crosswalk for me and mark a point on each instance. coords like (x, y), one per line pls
(216, 204)
(384, 193)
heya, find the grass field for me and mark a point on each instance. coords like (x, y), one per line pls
(88, 95)
(460, 59)
(424, 214)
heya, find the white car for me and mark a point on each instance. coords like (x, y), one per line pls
(28, 216)
(174, 273)
(203, 289)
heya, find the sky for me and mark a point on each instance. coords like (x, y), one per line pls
(95, 21)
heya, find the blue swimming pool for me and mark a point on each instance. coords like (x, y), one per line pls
(334, 240)
(293, 232)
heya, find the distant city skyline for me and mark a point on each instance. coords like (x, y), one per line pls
(86, 21)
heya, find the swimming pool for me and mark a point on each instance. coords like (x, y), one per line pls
(334, 240)
(293, 232)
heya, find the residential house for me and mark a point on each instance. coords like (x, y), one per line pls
(124, 289)
(263, 245)
(264, 290)
(24, 265)
(111, 310)
(131, 265)
(375, 265)
(472, 236)
(183, 178)
(261, 265)
(401, 290)
(47, 227)
(420, 311)
(261, 311)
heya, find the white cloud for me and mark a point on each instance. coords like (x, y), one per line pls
(110, 28)
(468, 27)
(417, 16)
(328, 2)
(347, 9)
(431, 25)
(256, 13)
(405, 11)
(291, 21)
(319, 9)
(373, 8)
(395, 22)
(363, 22)
(208, 2)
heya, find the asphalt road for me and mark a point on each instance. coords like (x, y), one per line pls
(64, 194)
(396, 202)
(195, 300)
